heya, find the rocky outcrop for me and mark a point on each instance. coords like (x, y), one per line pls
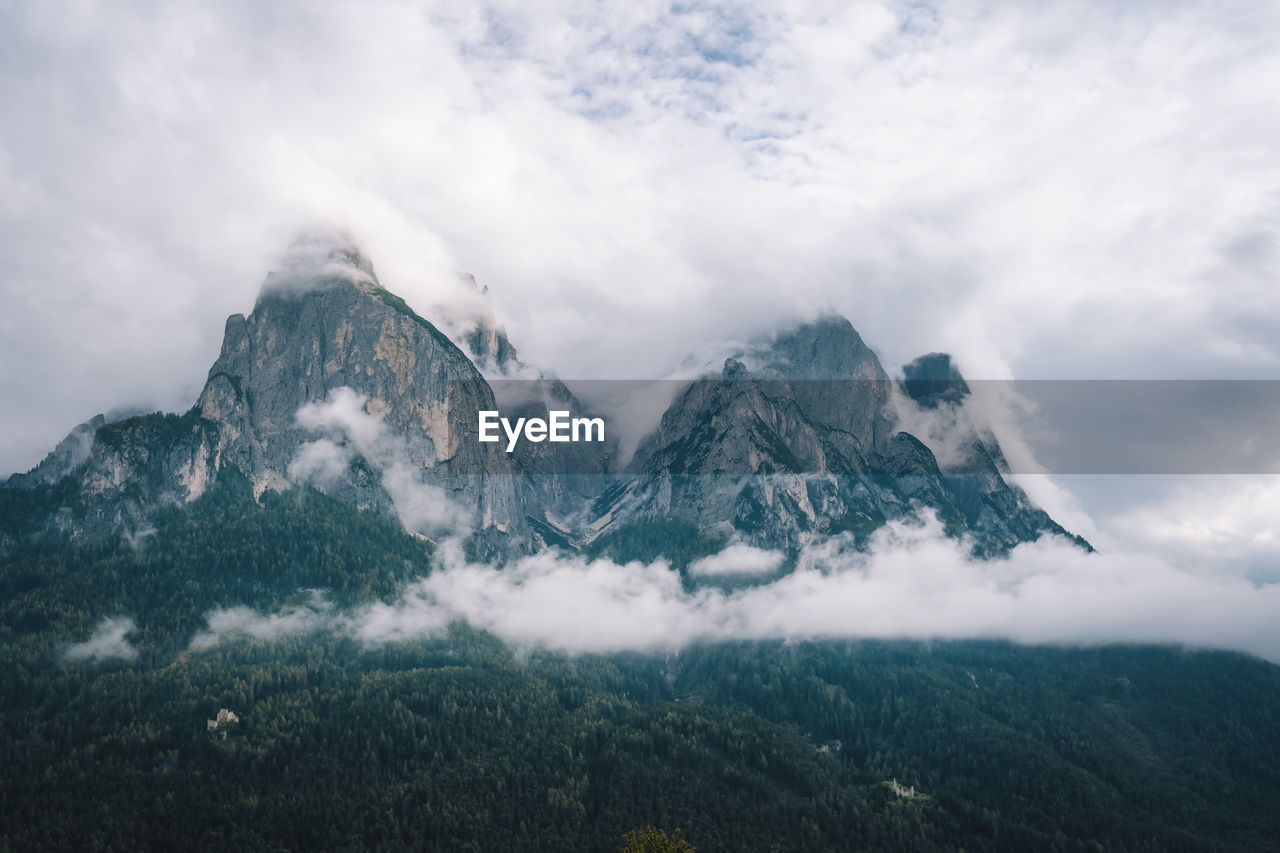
(486, 341)
(999, 512)
(834, 377)
(108, 477)
(72, 452)
(932, 381)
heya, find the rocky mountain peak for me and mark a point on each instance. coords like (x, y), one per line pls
(734, 369)
(826, 348)
(932, 380)
(835, 378)
(324, 332)
(487, 341)
(330, 381)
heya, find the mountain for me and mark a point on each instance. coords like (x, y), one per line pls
(555, 482)
(803, 445)
(485, 340)
(386, 391)
(450, 740)
(975, 477)
(333, 381)
(258, 559)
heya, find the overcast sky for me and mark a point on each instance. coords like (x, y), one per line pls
(1061, 190)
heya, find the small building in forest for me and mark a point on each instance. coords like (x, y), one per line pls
(905, 793)
(221, 725)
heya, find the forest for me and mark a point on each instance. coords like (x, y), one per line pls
(458, 742)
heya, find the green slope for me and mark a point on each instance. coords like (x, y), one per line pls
(459, 743)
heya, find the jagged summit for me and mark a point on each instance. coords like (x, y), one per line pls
(932, 380)
(833, 376)
(336, 330)
(321, 257)
(734, 369)
(490, 348)
(387, 390)
(828, 347)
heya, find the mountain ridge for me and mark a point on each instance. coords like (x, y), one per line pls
(795, 441)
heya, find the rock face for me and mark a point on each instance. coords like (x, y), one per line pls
(557, 482)
(834, 378)
(386, 392)
(1001, 513)
(932, 381)
(326, 325)
(804, 446)
(71, 452)
(117, 473)
(333, 381)
(487, 342)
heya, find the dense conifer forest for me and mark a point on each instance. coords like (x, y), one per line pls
(459, 742)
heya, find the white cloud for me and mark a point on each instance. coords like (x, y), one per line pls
(914, 582)
(1220, 524)
(231, 622)
(321, 462)
(1078, 189)
(108, 640)
(737, 559)
(344, 411)
(422, 507)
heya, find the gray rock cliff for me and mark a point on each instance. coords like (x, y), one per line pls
(387, 394)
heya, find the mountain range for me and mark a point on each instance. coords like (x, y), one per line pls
(335, 381)
(242, 627)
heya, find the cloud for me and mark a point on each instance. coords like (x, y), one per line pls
(321, 462)
(318, 254)
(543, 600)
(737, 559)
(232, 622)
(138, 538)
(948, 430)
(1075, 189)
(1083, 189)
(913, 582)
(422, 507)
(1223, 525)
(107, 641)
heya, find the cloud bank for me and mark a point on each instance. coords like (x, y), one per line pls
(913, 582)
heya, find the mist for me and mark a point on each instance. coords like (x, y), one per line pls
(108, 640)
(959, 177)
(912, 582)
(421, 507)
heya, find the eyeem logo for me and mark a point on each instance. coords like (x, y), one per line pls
(559, 427)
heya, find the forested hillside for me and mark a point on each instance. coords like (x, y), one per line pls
(460, 743)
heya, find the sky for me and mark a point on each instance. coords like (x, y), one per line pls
(1078, 190)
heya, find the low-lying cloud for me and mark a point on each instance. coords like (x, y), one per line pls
(232, 622)
(737, 559)
(913, 582)
(107, 641)
(354, 431)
